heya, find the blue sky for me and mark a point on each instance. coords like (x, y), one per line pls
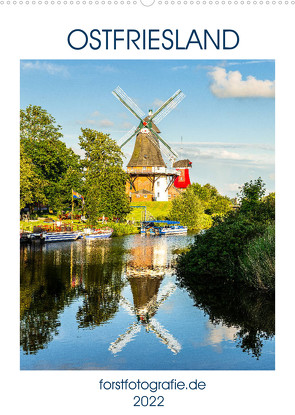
(226, 121)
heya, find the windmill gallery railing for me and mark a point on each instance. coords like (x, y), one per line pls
(152, 176)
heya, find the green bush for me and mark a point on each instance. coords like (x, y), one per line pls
(121, 229)
(215, 252)
(258, 261)
(239, 248)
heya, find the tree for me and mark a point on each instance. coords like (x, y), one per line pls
(52, 161)
(188, 209)
(105, 179)
(251, 195)
(213, 202)
(215, 256)
(31, 185)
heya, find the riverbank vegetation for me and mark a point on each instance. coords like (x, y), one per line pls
(198, 205)
(239, 248)
(49, 170)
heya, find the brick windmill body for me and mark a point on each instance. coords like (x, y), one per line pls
(149, 177)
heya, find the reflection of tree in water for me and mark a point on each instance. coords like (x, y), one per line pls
(53, 276)
(102, 282)
(251, 313)
(44, 292)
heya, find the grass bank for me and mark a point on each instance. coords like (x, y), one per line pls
(159, 210)
(120, 229)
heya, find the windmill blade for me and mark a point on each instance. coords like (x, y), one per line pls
(127, 306)
(166, 292)
(164, 336)
(164, 150)
(163, 142)
(127, 137)
(123, 339)
(168, 106)
(128, 103)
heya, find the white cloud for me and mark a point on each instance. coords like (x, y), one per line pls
(50, 68)
(233, 187)
(88, 121)
(179, 68)
(246, 155)
(125, 125)
(106, 69)
(157, 103)
(95, 114)
(248, 62)
(106, 123)
(231, 85)
(213, 144)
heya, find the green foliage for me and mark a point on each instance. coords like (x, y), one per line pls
(105, 179)
(32, 186)
(121, 229)
(53, 163)
(36, 124)
(251, 194)
(214, 258)
(257, 262)
(212, 201)
(187, 208)
(197, 206)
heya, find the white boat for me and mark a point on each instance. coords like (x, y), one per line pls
(97, 233)
(59, 236)
(163, 227)
(174, 230)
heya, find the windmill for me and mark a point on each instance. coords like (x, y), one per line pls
(149, 178)
(145, 318)
(147, 125)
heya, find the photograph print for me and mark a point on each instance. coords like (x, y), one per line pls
(147, 215)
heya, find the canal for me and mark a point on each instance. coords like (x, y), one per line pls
(116, 304)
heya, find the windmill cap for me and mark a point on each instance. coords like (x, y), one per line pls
(182, 163)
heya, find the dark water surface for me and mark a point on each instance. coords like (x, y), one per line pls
(115, 304)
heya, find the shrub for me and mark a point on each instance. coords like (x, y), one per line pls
(258, 261)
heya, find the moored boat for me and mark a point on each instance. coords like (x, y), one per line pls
(97, 233)
(164, 227)
(60, 236)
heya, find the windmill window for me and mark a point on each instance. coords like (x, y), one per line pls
(158, 194)
(158, 183)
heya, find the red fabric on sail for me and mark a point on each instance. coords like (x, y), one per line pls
(183, 180)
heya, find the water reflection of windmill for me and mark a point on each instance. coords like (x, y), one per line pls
(144, 314)
(145, 273)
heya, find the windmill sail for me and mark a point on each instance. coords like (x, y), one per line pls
(127, 306)
(168, 106)
(127, 137)
(125, 338)
(165, 336)
(164, 143)
(163, 149)
(128, 103)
